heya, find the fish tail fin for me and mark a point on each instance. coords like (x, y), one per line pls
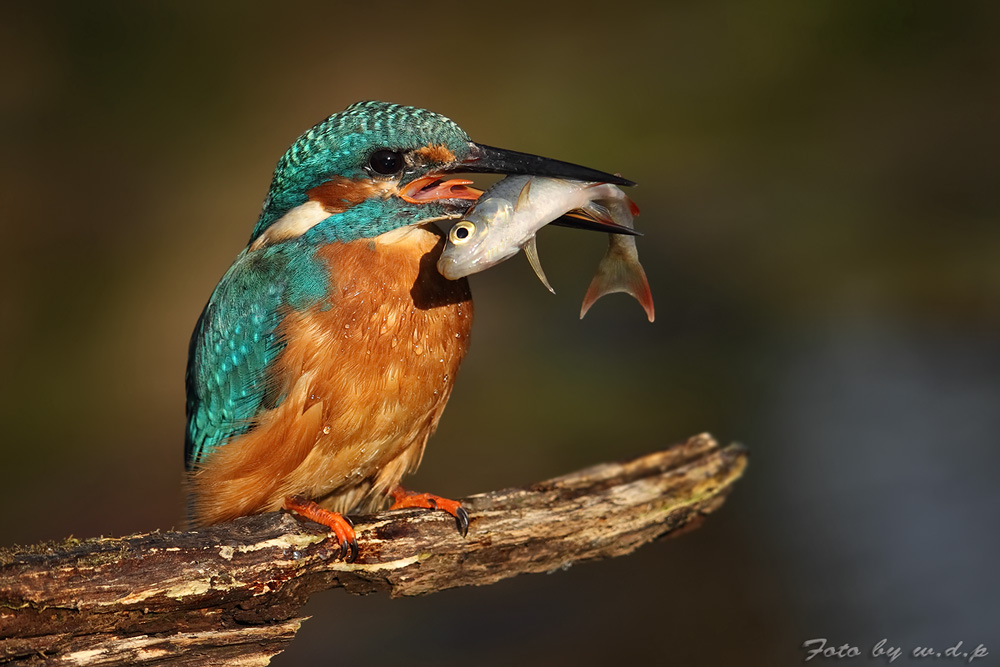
(620, 271)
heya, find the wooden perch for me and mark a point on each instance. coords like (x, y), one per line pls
(230, 594)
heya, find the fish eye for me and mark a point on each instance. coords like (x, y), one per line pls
(386, 162)
(461, 232)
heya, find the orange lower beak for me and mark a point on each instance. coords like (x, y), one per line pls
(426, 189)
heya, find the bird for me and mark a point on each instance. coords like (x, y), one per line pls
(323, 359)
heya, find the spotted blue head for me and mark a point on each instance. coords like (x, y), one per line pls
(375, 167)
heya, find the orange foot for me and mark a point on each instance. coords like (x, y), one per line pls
(341, 526)
(402, 498)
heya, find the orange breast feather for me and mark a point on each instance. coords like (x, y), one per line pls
(366, 379)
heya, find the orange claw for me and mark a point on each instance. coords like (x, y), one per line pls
(401, 498)
(341, 526)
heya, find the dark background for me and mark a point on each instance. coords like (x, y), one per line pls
(818, 183)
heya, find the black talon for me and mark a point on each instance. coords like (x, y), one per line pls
(348, 520)
(462, 519)
(343, 549)
(354, 551)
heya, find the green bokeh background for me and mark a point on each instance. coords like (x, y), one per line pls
(818, 183)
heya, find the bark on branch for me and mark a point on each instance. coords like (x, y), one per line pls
(230, 594)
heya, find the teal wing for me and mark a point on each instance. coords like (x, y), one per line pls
(236, 342)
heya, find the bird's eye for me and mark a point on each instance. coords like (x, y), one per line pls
(461, 232)
(386, 162)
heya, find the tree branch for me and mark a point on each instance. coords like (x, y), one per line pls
(229, 594)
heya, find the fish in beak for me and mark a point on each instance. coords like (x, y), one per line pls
(484, 159)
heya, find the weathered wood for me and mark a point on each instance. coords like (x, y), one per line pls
(230, 594)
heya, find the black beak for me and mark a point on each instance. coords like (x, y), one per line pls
(488, 160)
(594, 226)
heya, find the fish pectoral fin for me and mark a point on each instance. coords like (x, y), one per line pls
(531, 252)
(603, 192)
(611, 213)
(522, 199)
(596, 212)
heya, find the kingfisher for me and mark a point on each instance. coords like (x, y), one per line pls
(324, 357)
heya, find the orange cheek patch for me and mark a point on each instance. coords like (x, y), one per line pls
(339, 194)
(436, 153)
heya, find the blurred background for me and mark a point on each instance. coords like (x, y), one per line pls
(818, 184)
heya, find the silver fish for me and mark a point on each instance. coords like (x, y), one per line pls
(507, 216)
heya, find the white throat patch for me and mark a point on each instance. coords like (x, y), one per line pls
(293, 224)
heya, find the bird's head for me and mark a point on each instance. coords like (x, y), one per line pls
(375, 167)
